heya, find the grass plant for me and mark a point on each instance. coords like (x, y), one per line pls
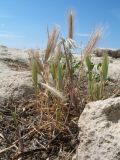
(57, 69)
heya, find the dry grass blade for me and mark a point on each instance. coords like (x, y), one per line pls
(70, 25)
(48, 32)
(58, 52)
(52, 41)
(39, 62)
(6, 149)
(53, 91)
(34, 73)
(93, 41)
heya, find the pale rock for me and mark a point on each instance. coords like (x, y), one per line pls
(16, 84)
(99, 134)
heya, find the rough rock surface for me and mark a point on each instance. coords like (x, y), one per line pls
(13, 54)
(100, 131)
(14, 82)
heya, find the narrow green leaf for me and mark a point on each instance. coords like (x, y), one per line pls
(105, 66)
(14, 116)
(89, 64)
(60, 76)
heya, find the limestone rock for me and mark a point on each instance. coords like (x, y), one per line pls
(13, 54)
(100, 131)
(19, 55)
(16, 83)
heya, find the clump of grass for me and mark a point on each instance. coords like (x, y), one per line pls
(57, 69)
(61, 94)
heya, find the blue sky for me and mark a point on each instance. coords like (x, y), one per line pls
(23, 23)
